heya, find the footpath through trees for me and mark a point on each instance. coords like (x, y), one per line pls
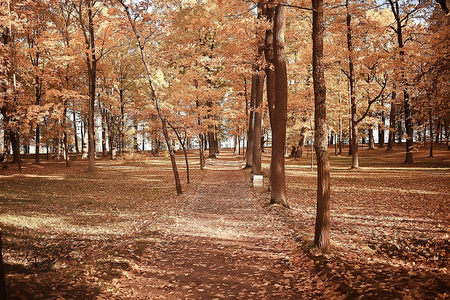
(223, 244)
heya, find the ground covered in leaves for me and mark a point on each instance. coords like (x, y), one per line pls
(121, 232)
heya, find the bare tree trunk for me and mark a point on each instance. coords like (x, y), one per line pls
(351, 78)
(270, 73)
(390, 146)
(37, 158)
(322, 228)
(382, 126)
(371, 139)
(431, 134)
(251, 122)
(75, 133)
(202, 154)
(409, 129)
(256, 164)
(277, 167)
(301, 144)
(66, 143)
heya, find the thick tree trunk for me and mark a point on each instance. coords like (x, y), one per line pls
(15, 141)
(301, 144)
(322, 228)
(212, 143)
(371, 139)
(277, 167)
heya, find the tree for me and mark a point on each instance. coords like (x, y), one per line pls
(402, 16)
(277, 168)
(322, 228)
(142, 39)
(90, 14)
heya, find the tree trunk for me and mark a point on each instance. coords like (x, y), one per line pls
(322, 228)
(390, 146)
(212, 143)
(251, 122)
(15, 141)
(371, 139)
(66, 143)
(277, 167)
(301, 144)
(202, 154)
(92, 74)
(75, 132)
(256, 163)
(431, 134)
(382, 126)
(409, 129)
(351, 79)
(37, 158)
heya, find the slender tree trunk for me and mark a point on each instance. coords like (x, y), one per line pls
(277, 167)
(322, 228)
(202, 154)
(382, 126)
(92, 74)
(37, 158)
(251, 122)
(409, 129)
(256, 164)
(75, 131)
(351, 78)
(431, 134)
(66, 143)
(270, 74)
(392, 113)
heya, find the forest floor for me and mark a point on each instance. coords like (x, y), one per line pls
(120, 232)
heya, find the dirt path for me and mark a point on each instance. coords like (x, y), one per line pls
(221, 244)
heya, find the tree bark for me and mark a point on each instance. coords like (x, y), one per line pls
(431, 134)
(277, 167)
(66, 143)
(256, 163)
(381, 127)
(322, 228)
(351, 79)
(392, 114)
(251, 122)
(371, 139)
